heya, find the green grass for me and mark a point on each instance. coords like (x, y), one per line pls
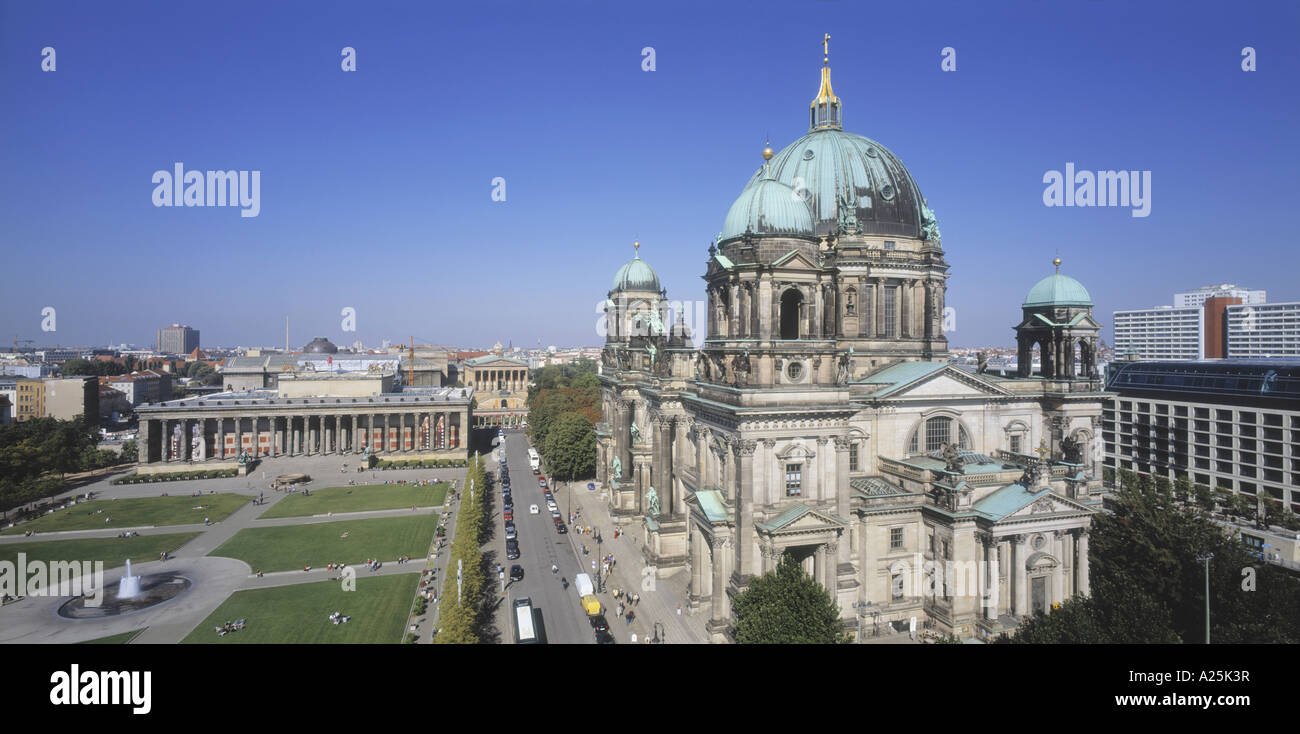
(299, 614)
(291, 547)
(135, 512)
(358, 499)
(121, 639)
(112, 551)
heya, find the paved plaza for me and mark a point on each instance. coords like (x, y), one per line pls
(34, 619)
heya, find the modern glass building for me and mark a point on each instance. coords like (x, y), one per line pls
(1229, 424)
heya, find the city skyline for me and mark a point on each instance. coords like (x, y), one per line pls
(383, 167)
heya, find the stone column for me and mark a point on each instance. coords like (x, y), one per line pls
(401, 432)
(1083, 583)
(831, 567)
(842, 445)
(744, 452)
(239, 434)
(989, 598)
(720, 610)
(143, 434)
(1058, 576)
(697, 563)
(1017, 574)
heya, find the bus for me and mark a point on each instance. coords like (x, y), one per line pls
(525, 632)
(534, 461)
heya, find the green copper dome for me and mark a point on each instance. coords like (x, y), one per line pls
(1058, 290)
(850, 180)
(636, 275)
(768, 207)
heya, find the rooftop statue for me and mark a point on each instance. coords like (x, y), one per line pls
(651, 349)
(636, 434)
(656, 324)
(1071, 451)
(952, 458)
(929, 225)
(652, 499)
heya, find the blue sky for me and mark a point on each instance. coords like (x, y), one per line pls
(376, 185)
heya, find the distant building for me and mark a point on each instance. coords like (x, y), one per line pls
(6, 411)
(146, 386)
(1264, 331)
(501, 387)
(1161, 333)
(25, 395)
(1195, 298)
(69, 397)
(177, 339)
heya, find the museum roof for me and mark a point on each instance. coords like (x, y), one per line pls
(270, 397)
(494, 358)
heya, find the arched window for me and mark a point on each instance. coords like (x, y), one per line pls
(791, 300)
(936, 432)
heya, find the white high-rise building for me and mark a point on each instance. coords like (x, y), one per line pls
(1196, 298)
(1264, 331)
(1164, 332)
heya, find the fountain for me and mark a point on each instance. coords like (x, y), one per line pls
(129, 586)
(132, 594)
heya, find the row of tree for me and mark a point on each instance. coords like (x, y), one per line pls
(1187, 493)
(563, 409)
(1148, 578)
(35, 454)
(462, 610)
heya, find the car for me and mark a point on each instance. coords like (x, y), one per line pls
(599, 623)
(510, 531)
(516, 572)
(550, 505)
(541, 482)
(532, 509)
(555, 514)
(512, 550)
(508, 505)
(508, 516)
(560, 527)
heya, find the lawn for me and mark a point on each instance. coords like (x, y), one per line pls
(358, 499)
(112, 551)
(135, 512)
(291, 547)
(121, 639)
(299, 614)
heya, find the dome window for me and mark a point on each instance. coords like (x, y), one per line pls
(887, 192)
(809, 154)
(871, 153)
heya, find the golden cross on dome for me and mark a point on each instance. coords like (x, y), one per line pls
(1042, 449)
(826, 49)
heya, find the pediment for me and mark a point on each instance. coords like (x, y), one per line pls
(948, 382)
(802, 519)
(1048, 504)
(795, 260)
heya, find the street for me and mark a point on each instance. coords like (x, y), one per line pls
(539, 546)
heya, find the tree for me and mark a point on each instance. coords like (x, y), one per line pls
(130, 451)
(1148, 582)
(571, 447)
(787, 606)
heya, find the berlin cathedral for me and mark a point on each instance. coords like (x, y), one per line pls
(822, 417)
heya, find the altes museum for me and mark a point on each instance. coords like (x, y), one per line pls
(822, 418)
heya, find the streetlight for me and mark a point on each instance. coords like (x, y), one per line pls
(1206, 560)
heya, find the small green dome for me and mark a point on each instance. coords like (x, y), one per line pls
(1058, 290)
(768, 207)
(636, 275)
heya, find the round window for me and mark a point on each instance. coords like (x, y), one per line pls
(794, 371)
(808, 154)
(887, 192)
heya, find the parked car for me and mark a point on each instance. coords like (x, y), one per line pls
(510, 531)
(512, 550)
(516, 572)
(508, 516)
(550, 505)
(541, 482)
(560, 527)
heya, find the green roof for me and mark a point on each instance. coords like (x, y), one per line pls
(636, 275)
(724, 261)
(711, 503)
(1058, 290)
(768, 207)
(903, 373)
(1008, 500)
